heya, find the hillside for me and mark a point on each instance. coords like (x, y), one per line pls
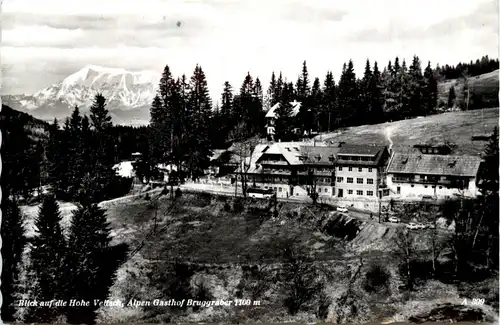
(232, 249)
(10, 118)
(457, 127)
(485, 85)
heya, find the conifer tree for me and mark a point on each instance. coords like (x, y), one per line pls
(376, 96)
(329, 114)
(429, 91)
(200, 109)
(348, 94)
(90, 265)
(280, 85)
(271, 91)
(315, 102)
(364, 113)
(13, 244)
(284, 125)
(47, 261)
(415, 87)
(226, 110)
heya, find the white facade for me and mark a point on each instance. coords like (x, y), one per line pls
(415, 190)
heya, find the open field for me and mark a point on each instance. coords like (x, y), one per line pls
(457, 127)
(227, 245)
(486, 85)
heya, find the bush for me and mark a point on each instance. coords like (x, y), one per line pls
(377, 279)
(323, 305)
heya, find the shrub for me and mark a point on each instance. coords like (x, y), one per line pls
(377, 279)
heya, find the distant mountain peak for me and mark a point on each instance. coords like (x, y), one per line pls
(124, 90)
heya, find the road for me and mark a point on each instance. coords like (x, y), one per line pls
(229, 191)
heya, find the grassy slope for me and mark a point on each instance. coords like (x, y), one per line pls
(457, 127)
(199, 230)
(486, 85)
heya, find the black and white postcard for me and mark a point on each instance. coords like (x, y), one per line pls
(249, 161)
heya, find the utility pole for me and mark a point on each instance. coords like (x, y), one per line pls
(379, 205)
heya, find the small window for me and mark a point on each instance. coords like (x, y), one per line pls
(360, 169)
(425, 186)
(279, 189)
(433, 186)
(370, 170)
(326, 190)
(349, 191)
(350, 169)
(440, 187)
(349, 180)
(369, 193)
(340, 179)
(412, 185)
(369, 181)
(359, 192)
(319, 190)
(340, 168)
(359, 180)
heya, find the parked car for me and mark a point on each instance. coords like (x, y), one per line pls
(412, 226)
(342, 209)
(260, 193)
(394, 219)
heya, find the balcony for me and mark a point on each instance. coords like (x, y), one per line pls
(454, 183)
(274, 162)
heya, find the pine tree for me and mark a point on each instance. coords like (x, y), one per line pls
(200, 109)
(13, 243)
(90, 265)
(429, 91)
(280, 85)
(271, 91)
(304, 90)
(53, 154)
(404, 91)
(364, 113)
(315, 102)
(284, 125)
(415, 87)
(97, 183)
(75, 148)
(226, 110)
(348, 95)
(376, 96)
(451, 97)
(47, 261)
(328, 114)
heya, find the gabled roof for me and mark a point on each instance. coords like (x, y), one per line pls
(319, 155)
(360, 150)
(289, 150)
(295, 109)
(434, 164)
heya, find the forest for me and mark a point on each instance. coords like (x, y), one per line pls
(74, 160)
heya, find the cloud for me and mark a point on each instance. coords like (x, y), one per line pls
(44, 41)
(482, 19)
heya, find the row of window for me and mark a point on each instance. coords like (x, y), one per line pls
(350, 180)
(360, 169)
(360, 192)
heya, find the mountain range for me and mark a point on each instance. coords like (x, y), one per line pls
(129, 95)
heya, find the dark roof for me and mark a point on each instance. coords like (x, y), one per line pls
(361, 149)
(319, 155)
(434, 164)
(374, 151)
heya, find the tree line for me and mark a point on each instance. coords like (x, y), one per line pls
(471, 69)
(76, 161)
(397, 91)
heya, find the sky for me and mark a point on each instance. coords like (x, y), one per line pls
(45, 41)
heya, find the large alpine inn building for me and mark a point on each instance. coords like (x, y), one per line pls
(353, 171)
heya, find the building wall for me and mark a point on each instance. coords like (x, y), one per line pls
(343, 171)
(282, 190)
(417, 190)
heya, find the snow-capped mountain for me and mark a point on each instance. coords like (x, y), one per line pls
(129, 95)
